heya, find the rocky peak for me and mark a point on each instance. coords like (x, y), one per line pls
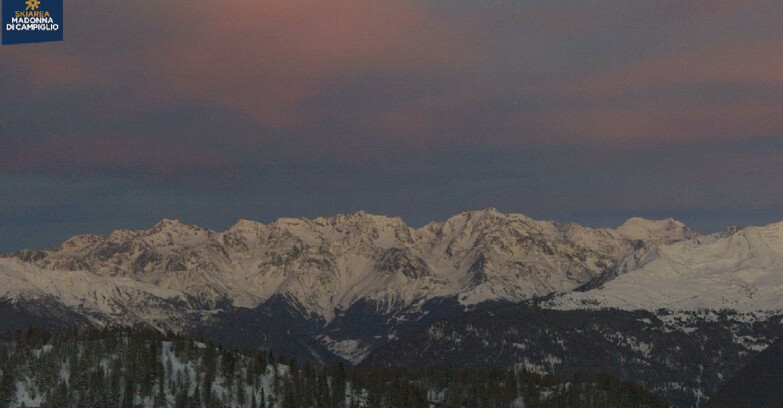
(174, 227)
(79, 243)
(173, 233)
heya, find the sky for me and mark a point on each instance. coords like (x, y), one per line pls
(571, 110)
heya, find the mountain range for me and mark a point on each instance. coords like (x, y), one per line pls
(356, 287)
(175, 274)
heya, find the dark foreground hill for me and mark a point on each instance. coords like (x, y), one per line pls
(124, 369)
(683, 357)
(758, 385)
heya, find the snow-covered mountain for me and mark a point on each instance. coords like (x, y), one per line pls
(327, 264)
(327, 269)
(370, 288)
(680, 317)
(739, 269)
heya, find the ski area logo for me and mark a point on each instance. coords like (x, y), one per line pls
(32, 4)
(32, 21)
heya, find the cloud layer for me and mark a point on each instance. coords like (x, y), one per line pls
(585, 111)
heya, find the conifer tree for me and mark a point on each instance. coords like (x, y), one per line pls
(129, 394)
(7, 388)
(338, 387)
(181, 400)
(240, 394)
(195, 399)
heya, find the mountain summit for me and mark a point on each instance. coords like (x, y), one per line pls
(663, 231)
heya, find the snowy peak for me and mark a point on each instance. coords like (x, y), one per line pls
(659, 231)
(244, 226)
(168, 233)
(168, 223)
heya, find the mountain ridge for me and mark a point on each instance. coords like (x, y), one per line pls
(176, 276)
(466, 246)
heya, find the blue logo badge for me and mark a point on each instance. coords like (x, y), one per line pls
(32, 21)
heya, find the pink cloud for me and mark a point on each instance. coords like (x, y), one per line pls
(264, 57)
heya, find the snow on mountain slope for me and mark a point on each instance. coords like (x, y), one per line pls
(741, 269)
(116, 301)
(329, 263)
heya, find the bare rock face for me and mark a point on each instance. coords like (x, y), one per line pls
(400, 261)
